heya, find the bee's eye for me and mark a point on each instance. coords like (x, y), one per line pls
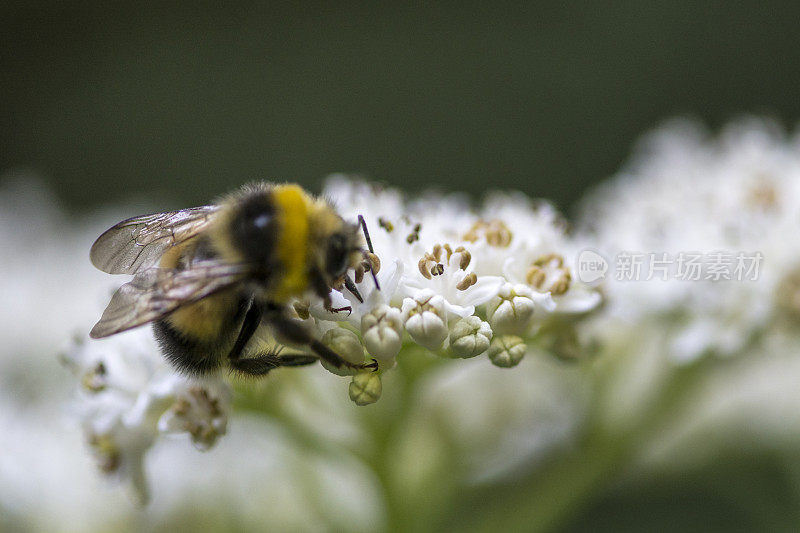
(336, 256)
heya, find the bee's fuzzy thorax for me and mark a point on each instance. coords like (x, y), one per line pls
(230, 205)
(282, 248)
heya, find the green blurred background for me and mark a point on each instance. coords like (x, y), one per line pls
(180, 102)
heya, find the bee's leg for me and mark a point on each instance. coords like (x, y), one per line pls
(255, 366)
(324, 291)
(326, 302)
(335, 359)
(298, 359)
(296, 332)
(249, 326)
(260, 365)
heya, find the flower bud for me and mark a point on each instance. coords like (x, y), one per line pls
(507, 351)
(470, 336)
(346, 345)
(365, 388)
(382, 329)
(425, 319)
(511, 311)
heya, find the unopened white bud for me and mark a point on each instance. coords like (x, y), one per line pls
(425, 319)
(346, 345)
(512, 310)
(382, 329)
(507, 351)
(470, 336)
(365, 388)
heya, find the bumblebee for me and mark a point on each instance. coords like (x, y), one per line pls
(207, 277)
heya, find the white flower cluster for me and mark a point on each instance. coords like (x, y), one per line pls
(454, 281)
(686, 192)
(457, 281)
(131, 396)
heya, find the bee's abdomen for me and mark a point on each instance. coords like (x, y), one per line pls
(187, 355)
(197, 338)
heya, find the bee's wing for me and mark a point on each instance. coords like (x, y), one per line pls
(156, 292)
(137, 243)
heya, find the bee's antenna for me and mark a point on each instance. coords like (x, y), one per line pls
(363, 224)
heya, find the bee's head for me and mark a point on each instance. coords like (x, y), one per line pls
(343, 250)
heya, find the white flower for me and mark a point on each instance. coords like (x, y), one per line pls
(425, 319)
(513, 309)
(201, 411)
(445, 271)
(382, 329)
(687, 193)
(470, 336)
(131, 396)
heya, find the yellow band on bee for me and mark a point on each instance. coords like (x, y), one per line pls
(292, 204)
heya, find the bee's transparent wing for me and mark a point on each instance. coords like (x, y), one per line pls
(136, 244)
(156, 292)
